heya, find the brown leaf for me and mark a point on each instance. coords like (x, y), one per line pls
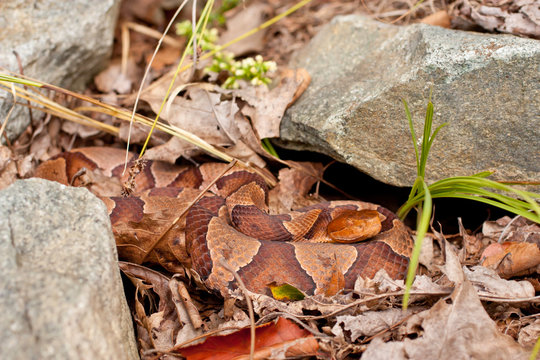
(8, 168)
(167, 55)
(214, 118)
(458, 330)
(528, 335)
(512, 258)
(281, 337)
(516, 17)
(161, 324)
(113, 80)
(516, 229)
(368, 323)
(249, 18)
(294, 185)
(471, 243)
(488, 283)
(439, 18)
(269, 105)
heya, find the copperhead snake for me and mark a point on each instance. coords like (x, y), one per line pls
(231, 223)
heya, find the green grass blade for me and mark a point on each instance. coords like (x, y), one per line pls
(17, 80)
(428, 123)
(420, 234)
(413, 134)
(269, 148)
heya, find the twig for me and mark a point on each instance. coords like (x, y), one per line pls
(249, 304)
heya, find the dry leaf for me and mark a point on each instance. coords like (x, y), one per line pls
(452, 266)
(113, 80)
(273, 340)
(161, 326)
(472, 244)
(489, 283)
(293, 187)
(426, 252)
(516, 229)
(368, 323)
(512, 258)
(439, 18)
(519, 17)
(529, 334)
(8, 168)
(268, 106)
(167, 55)
(201, 113)
(249, 18)
(458, 330)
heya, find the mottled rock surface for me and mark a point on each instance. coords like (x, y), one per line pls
(64, 43)
(486, 87)
(61, 296)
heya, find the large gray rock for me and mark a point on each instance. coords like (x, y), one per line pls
(61, 295)
(63, 43)
(487, 87)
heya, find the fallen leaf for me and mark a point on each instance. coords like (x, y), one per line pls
(293, 187)
(512, 258)
(516, 229)
(268, 106)
(452, 266)
(160, 325)
(286, 292)
(214, 118)
(471, 243)
(8, 168)
(529, 334)
(113, 80)
(439, 18)
(167, 55)
(519, 17)
(282, 337)
(253, 15)
(460, 329)
(489, 283)
(368, 323)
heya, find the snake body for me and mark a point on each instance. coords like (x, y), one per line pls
(231, 224)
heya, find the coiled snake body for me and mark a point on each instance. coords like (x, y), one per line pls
(231, 224)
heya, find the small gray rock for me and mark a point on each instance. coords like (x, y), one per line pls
(64, 43)
(486, 87)
(61, 296)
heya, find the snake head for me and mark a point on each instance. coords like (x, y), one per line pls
(353, 226)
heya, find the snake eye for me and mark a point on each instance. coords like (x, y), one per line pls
(353, 226)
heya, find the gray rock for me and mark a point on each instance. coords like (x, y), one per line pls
(61, 295)
(63, 43)
(486, 87)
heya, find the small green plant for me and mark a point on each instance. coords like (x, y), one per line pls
(206, 41)
(476, 187)
(252, 70)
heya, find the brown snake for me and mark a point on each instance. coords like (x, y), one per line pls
(232, 224)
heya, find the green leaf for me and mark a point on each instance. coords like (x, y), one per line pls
(286, 292)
